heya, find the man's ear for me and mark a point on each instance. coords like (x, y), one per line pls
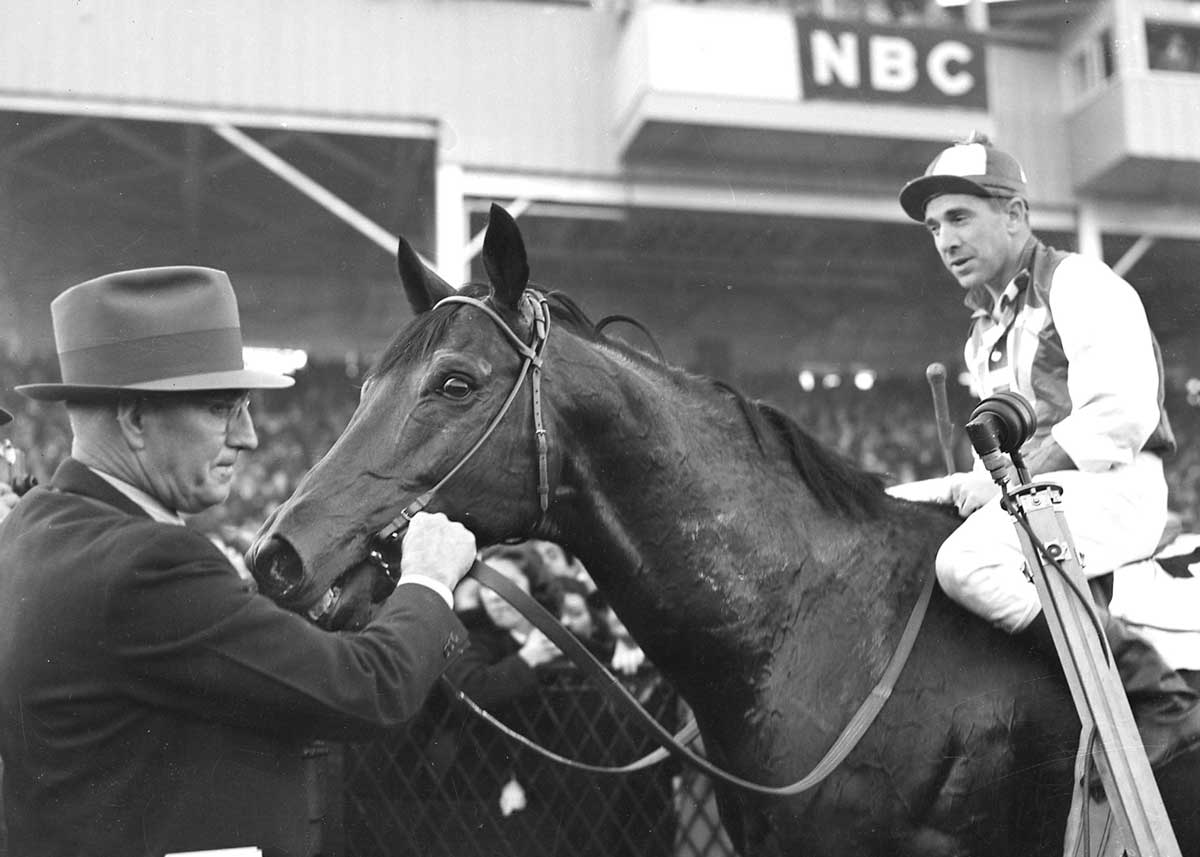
(131, 420)
(1017, 210)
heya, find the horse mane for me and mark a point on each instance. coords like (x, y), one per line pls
(837, 484)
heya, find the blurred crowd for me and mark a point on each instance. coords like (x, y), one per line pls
(888, 429)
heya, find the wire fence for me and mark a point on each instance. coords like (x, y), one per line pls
(452, 785)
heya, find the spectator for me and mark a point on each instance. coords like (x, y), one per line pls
(500, 663)
(173, 703)
(561, 563)
(584, 614)
(505, 648)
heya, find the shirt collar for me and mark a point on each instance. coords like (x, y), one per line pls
(146, 502)
(980, 301)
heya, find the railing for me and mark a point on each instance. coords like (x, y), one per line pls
(436, 788)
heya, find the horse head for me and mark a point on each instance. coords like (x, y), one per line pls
(422, 437)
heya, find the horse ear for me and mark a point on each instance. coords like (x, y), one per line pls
(504, 257)
(423, 287)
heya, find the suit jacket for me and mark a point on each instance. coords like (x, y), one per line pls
(151, 701)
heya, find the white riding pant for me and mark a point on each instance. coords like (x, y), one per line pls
(1115, 517)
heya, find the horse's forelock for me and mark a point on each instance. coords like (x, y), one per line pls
(417, 340)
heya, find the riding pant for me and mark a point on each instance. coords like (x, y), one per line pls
(1115, 517)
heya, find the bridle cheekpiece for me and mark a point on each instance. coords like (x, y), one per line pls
(531, 365)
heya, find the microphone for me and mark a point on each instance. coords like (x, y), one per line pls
(1001, 424)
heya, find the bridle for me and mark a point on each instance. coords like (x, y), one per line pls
(531, 365)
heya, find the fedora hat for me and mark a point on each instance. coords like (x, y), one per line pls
(173, 329)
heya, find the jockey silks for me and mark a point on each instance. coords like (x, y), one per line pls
(1051, 315)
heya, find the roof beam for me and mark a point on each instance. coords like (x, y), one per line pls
(310, 188)
(93, 108)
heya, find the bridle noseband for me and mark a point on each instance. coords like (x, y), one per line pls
(531, 365)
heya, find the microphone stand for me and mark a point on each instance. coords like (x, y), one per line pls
(999, 425)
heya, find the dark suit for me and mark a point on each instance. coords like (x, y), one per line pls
(150, 701)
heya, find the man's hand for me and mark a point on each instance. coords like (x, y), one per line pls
(970, 490)
(8, 499)
(438, 548)
(538, 649)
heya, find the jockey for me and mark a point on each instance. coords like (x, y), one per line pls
(1069, 335)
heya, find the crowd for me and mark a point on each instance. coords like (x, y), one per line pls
(888, 429)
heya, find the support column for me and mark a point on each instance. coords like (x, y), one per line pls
(977, 15)
(1088, 233)
(452, 263)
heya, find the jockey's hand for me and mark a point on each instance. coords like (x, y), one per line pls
(538, 649)
(438, 548)
(970, 490)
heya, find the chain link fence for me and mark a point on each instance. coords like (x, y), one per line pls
(452, 785)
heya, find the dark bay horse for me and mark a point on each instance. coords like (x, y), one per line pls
(767, 578)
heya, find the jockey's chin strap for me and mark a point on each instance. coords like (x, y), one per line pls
(531, 365)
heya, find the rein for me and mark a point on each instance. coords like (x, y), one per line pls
(673, 744)
(541, 618)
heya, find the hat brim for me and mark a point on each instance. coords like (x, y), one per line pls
(917, 193)
(5, 417)
(239, 379)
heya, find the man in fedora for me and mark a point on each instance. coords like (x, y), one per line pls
(1069, 335)
(150, 701)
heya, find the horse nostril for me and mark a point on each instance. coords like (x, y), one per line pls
(276, 568)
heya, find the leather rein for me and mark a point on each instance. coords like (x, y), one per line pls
(544, 621)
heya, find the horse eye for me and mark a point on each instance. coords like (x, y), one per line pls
(456, 388)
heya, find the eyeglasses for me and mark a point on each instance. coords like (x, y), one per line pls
(228, 409)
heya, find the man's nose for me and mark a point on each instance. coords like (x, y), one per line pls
(241, 432)
(946, 239)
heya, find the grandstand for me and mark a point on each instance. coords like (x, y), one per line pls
(726, 172)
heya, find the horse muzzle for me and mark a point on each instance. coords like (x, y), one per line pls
(279, 572)
(346, 604)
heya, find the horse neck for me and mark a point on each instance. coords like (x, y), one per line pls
(696, 536)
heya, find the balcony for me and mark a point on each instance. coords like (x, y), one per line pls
(763, 90)
(1136, 136)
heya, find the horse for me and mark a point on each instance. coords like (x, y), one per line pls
(766, 577)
